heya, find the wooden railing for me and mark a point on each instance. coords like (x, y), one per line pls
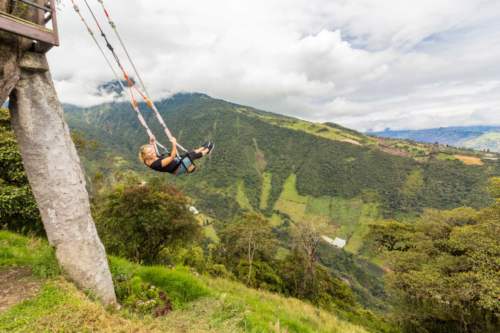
(32, 23)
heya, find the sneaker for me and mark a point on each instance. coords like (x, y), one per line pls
(210, 147)
(206, 144)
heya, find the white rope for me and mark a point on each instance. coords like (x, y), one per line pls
(167, 131)
(127, 90)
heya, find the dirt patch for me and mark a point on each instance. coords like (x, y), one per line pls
(469, 160)
(394, 151)
(351, 141)
(17, 285)
(384, 145)
(260, 158)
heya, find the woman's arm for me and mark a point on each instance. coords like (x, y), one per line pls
(173, 153)
(152, 141)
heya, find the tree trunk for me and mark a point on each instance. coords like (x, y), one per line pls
(53, 169)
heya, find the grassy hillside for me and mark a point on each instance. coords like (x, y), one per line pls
(201, 304)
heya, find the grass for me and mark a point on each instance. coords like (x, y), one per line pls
(61, 308)
(210, 233)
(20, 251)
(369, 214)
(263, 310)
(469, 160)
(290, 201)
(345, 218)
(276, 220)
(445, 157)
(316, 129)
(180, 285)
(201, 303)
(266, 190)
(318, 206)
(242, 198)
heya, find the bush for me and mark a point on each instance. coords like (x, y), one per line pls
(139, 221)
(18, 208)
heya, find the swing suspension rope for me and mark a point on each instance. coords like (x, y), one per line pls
(146, 95)
(130, 84)
(125, 49)
(129, 92)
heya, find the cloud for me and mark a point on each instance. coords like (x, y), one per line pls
(366, 64)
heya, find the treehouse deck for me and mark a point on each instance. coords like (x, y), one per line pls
(31, 19)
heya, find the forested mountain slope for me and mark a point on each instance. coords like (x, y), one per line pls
(268, 162)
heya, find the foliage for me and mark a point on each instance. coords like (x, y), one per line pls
(444, 269)
(20, 251)
(299, 274)
(18, 209)
(363, 277)
(314, 283)
(139, 221)
(246, 247)
(494, 187)
(305, 277)
(191, 255)
(140, 286)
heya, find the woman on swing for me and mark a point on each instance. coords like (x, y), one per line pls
(170, 162)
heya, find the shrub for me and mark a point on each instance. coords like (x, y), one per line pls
(139, 221)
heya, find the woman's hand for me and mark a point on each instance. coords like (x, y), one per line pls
(173, 152)
(152, 140)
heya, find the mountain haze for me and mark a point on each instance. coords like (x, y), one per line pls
(485, 138)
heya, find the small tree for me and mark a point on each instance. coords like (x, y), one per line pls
(305, 277)
(138, 221)
(306, 243)
(245, 241)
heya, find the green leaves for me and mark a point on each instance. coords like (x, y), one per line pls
(139, 221)
(18, 209)
(446, 277)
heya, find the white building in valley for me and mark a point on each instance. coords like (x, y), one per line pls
(337, 242)
(193, 210)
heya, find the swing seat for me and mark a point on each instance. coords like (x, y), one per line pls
(186, 166)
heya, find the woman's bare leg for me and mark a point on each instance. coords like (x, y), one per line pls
(202, 150)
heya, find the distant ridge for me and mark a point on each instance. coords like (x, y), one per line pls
(475, 137)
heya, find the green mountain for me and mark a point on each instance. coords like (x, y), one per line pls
(284, 166)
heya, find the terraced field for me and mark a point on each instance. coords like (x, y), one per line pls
(337, 217)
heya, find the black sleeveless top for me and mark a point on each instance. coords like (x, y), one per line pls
(170, 168)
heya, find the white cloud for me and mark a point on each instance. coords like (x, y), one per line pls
(364, 63)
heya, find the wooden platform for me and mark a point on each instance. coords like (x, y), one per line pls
(37, 31)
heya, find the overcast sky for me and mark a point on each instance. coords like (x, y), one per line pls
(366, 64)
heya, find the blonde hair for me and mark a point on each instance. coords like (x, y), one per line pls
(142, 152)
